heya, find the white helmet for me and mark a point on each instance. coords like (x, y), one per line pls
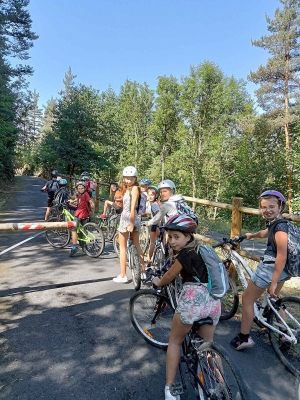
(167, 183)
(129, 171)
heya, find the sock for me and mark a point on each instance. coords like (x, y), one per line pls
(244, 337)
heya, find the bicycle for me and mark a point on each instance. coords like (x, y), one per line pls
(144, 238)
(144, 241)
(211, 373)
(110, 223)
(279, 318)
(90, 236)
(151, 311)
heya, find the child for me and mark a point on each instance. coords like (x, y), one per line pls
(144, 184)
(195, 302)
(269, 272)
(85, 204)
(129, 222)
(87, 181)
(51, 187)
(153, 195)
(62, 195)
(116, 200)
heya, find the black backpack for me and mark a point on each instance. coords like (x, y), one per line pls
(52, 188)
(61, 196)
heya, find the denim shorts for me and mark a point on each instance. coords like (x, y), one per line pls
(262, 276)
(196, 303)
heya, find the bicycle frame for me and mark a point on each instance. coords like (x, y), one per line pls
(81, 233)
(267, 301)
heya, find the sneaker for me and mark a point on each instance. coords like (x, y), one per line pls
(284, 344)
(169, 396)
(119, 279)
(103, 216)
(74, 250)
(238, 344)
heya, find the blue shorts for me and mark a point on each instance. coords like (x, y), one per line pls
(262, 276)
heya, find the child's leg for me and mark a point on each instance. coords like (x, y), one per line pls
(74, 238)
(178, 333)
(123, 237)
(251, 294)
(153, 236)
(48, 210)
(207, 332)
(106, 204)
(136, 242)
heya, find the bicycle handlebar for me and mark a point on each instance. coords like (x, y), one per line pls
(233, 242)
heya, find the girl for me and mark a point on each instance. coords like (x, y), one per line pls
(155, 205)
(85, 205)
(129, 222)
(269, 272)
(116, 200)
(195, 301)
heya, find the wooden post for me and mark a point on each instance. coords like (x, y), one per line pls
(237, 216)
(97, 196)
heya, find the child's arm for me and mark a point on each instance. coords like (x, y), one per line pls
(169, 275)
(259, 234)
(134, 198)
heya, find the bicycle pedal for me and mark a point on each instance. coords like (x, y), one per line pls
(261, 332)
(176, 389)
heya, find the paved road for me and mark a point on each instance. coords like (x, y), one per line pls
(65, 331)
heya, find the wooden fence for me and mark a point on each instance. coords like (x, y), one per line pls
(237, 211)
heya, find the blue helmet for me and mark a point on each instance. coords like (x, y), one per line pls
(145, 181)
(62, 182)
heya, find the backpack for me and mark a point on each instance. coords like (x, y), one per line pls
(141, 204)
(217, 275)
(292, 266)
(183, 208)
(92, 186)
(61, 196)
(52, 188)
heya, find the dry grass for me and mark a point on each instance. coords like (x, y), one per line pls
(9, 190)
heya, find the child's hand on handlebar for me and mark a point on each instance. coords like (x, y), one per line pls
(155, 281)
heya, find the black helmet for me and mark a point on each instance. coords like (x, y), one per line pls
(54, 173)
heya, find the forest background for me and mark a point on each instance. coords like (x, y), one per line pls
(201, 130)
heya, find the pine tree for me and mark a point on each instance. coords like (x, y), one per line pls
(279, 80)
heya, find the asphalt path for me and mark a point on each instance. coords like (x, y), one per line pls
(65, 331)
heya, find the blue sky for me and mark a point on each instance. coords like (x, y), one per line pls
(108, 41)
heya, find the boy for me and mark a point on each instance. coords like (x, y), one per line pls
(51, 187)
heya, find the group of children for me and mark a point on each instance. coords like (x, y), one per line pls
(80, 201)
(195, 301)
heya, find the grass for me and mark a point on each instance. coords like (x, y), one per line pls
(9, 191)
(220, 226)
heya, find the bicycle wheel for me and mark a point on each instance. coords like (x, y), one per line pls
(112, 224)
(144, 238)
(95, 246)
(116, 244)
(287, 352)
(135, 266)
(216, 376)
(230, 302)
(151, 314)
(158, 258)
(57, 238)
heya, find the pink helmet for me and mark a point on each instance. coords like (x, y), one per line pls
(182, 223)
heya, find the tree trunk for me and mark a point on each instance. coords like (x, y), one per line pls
(287, 136)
